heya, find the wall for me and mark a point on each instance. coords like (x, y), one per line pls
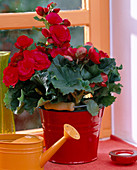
(123, 17)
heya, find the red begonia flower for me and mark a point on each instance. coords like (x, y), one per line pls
(56, 51)
(23, 42)
(81, 53)
(41, 60)
(16, 58)
(94, 56)
(60, 34)
(65, 45)
(46, 32)
(102, 84)
(104, 77)
(10, 76)
(71, 52)
(26, 68)
(68, 57)
(92, 85)
(103, 55)
(27, 54)
(89, 43)
(53, 18)
(40, 48)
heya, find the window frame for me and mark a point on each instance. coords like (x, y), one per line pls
(94, 16)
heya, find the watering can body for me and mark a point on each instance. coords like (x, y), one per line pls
(25, 152)
(22, 156)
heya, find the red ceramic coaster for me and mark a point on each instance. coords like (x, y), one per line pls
(123, 156)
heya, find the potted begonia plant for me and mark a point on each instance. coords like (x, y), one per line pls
(78, 81)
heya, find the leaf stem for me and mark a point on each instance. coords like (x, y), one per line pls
(78, 97)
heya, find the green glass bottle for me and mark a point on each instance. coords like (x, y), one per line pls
(7, 124)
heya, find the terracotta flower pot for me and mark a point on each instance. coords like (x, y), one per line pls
(73, 152)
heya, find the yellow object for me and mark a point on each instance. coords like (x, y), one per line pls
(6, 116)
(60, 106)
(25, 152)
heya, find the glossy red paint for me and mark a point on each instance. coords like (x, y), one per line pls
(73, 151)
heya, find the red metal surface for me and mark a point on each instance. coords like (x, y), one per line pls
(73, 151)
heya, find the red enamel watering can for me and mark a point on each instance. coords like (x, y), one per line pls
(25, 152)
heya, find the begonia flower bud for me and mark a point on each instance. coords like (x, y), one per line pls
(66, 22)
(40, 10)
(56, 10)
(46, 10)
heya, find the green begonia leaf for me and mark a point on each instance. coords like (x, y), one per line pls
(107, 64)
(39, 19)
(94, 70)
(115, 87)
(92, 107)
(97, 79)
(120, 67)
(86, 75)
(107, 100)
(35, 28)
(114, 76)
(66, 78)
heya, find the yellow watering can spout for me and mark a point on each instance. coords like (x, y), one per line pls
(69, 132)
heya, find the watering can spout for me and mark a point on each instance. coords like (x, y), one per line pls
(69, 132)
